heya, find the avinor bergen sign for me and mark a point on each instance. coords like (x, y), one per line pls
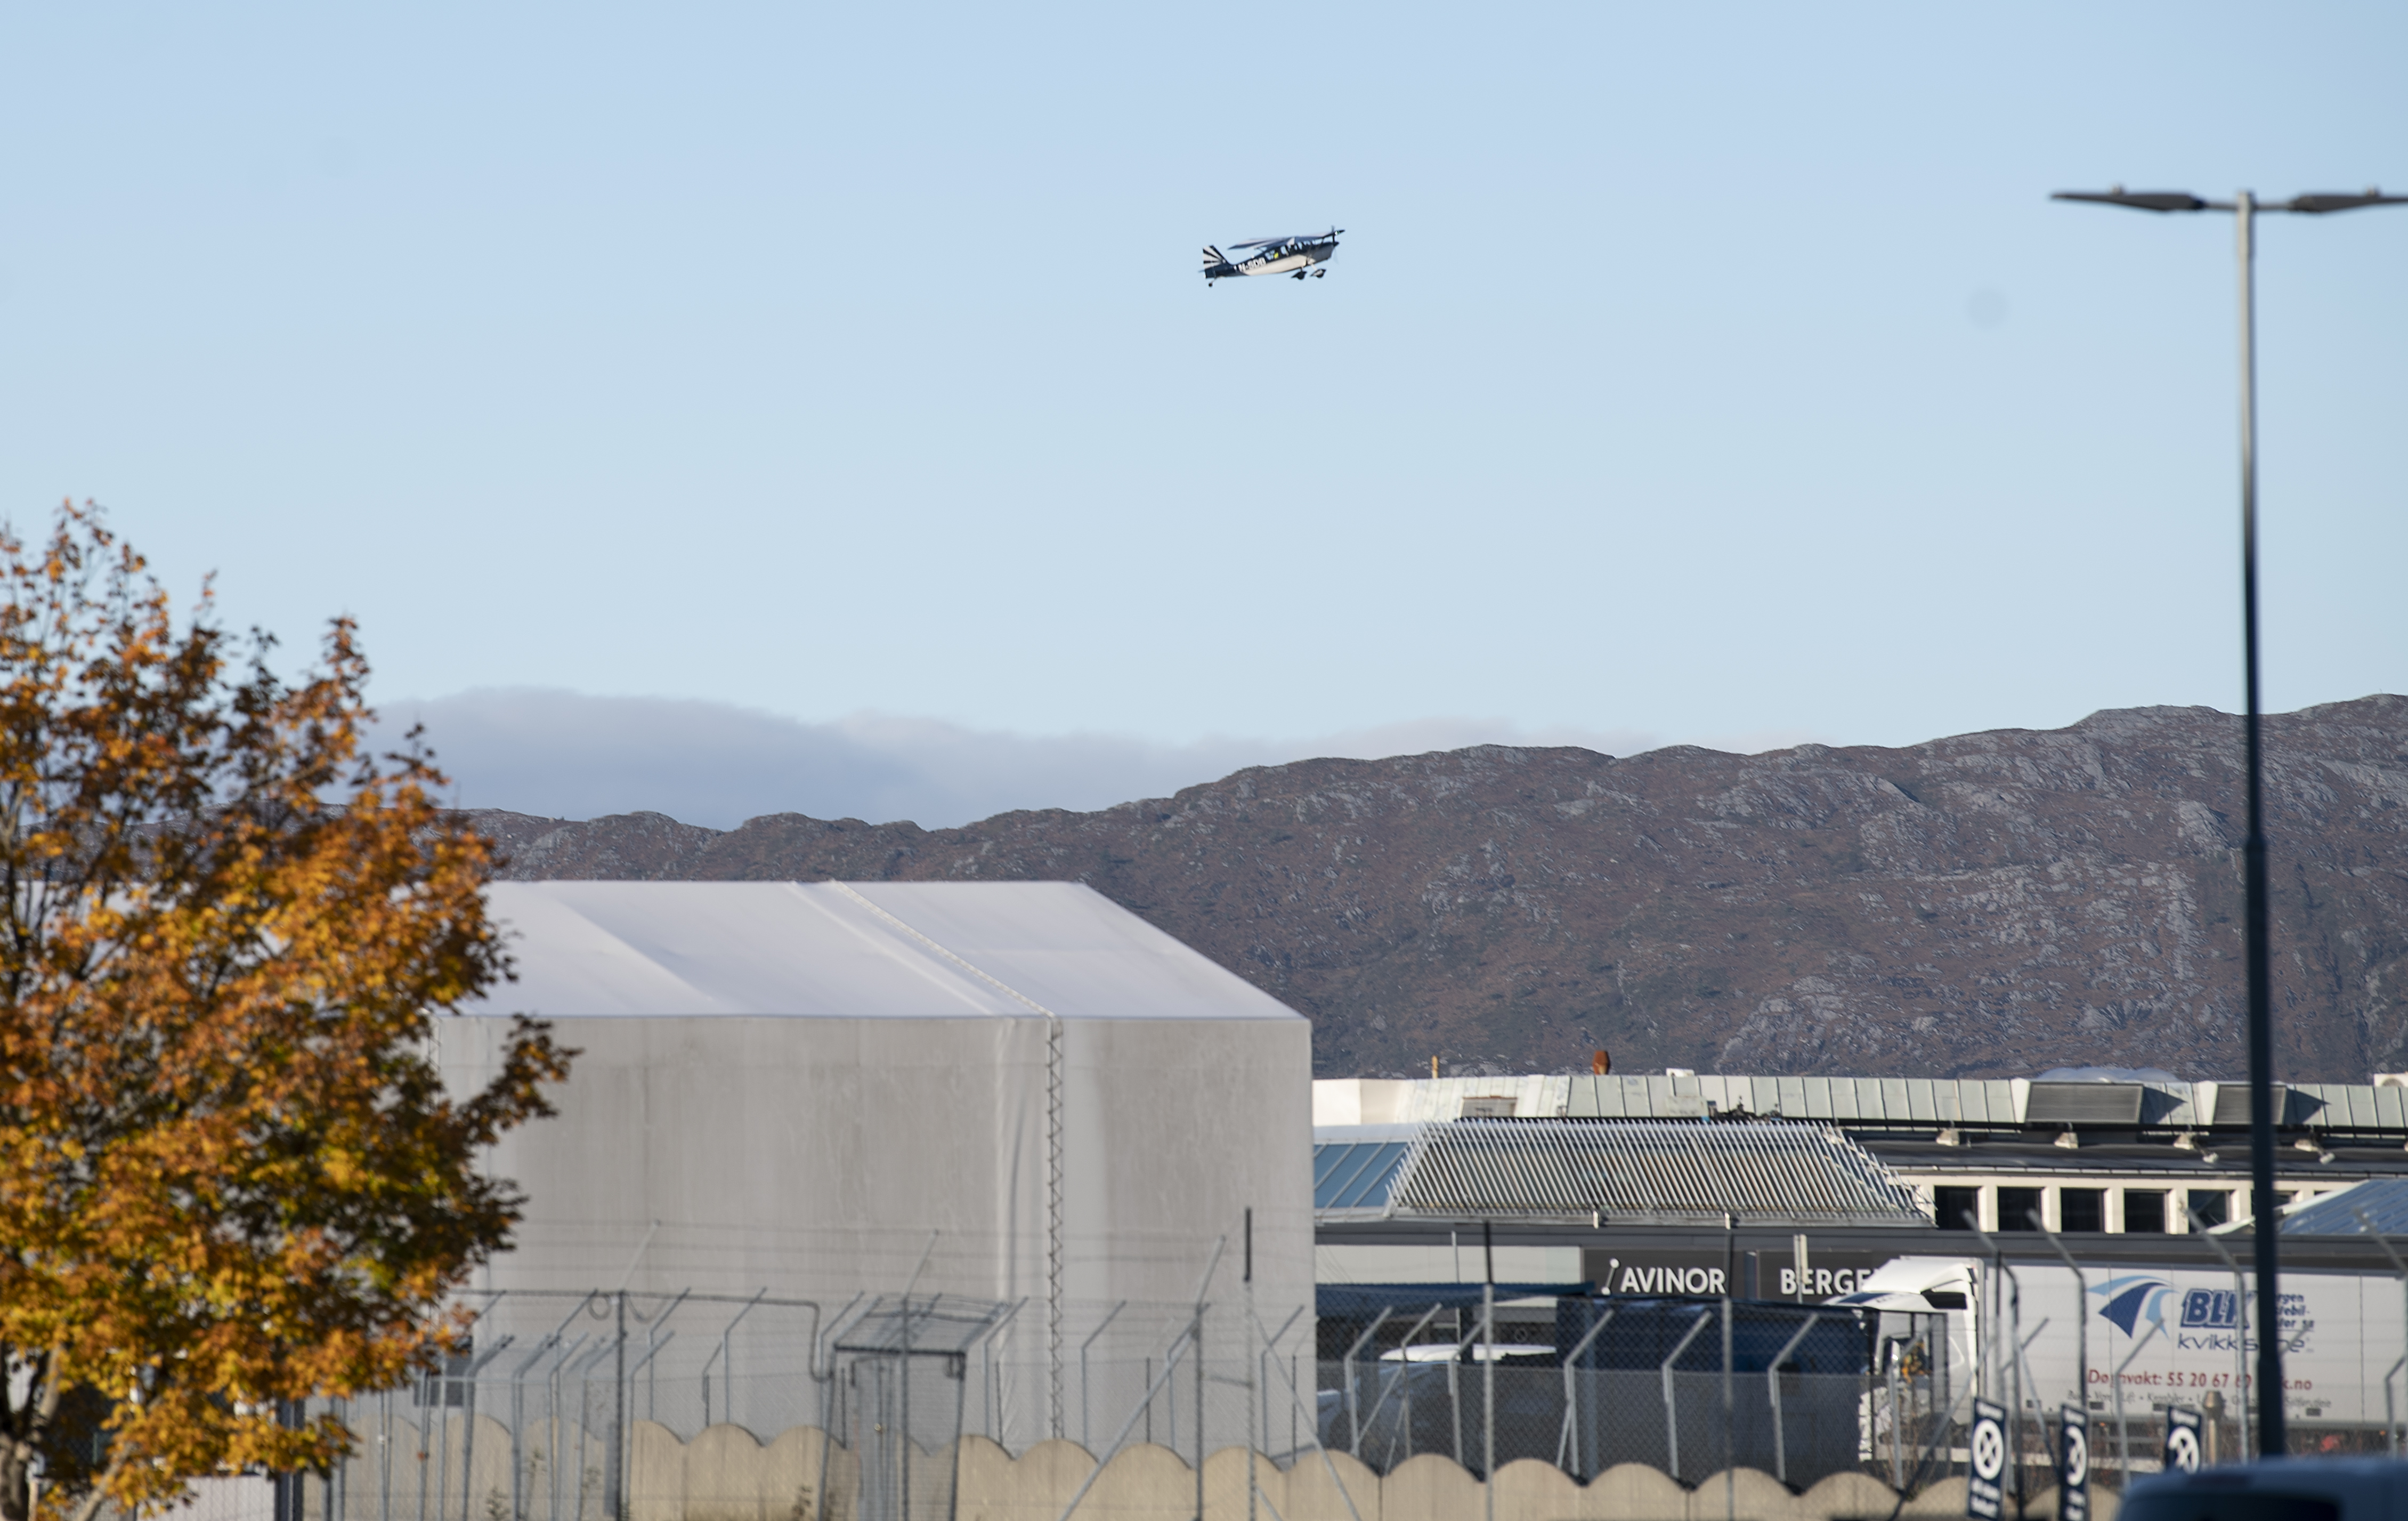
(2341, 1334)
(1710, 1271)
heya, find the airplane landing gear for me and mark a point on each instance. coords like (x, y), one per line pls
(1321, 274)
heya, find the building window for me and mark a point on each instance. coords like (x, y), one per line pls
(2018, 1208)
(1957, 1209)
(2144, 1212)
(2214, 1206)
(2081, 1208)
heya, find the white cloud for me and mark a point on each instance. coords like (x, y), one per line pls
(565, 754)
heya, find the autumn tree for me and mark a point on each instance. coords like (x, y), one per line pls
(230, 1176)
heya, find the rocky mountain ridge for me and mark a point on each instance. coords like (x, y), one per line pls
(1987, 905)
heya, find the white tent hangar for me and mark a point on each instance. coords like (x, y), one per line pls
(790, 1086)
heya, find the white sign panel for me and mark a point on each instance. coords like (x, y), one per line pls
(1986, 1443)
(2184, 1452)
(2074, 1465)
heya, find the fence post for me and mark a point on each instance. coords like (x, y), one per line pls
(2401, 1268)
(1671, 1415)
(279, 1508)
(1464, 1341)
(1488, 1372)
(384, 1457)
(423, 1380)
(1086, 1436)
(1404, 1383)
(1571, 1440)
(1198, 1334)
(1202, 1285)
(468, 1427)
(614, 1491)
(559, 1434)
(1773, 1386)
(1262, 1370)
(903, 1381)
(1296, 1399)
(2009, 1293)
(2390, 1436)
(726, 1358)
(518, 1415)
(991, 1382)
(1153, 1386)
(1896, 1423)
(2240, 1332)
(1254, 1366)
(1731, 1459)
(1354, 1405)
(2081, 1323)
(442, 1444)
(2124, 1432)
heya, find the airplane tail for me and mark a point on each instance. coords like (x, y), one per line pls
(1214, 255)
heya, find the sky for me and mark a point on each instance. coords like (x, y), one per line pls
(738, 408)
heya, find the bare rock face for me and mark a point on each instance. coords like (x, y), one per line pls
(1990, 905)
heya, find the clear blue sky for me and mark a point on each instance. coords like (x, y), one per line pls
(1686, 371)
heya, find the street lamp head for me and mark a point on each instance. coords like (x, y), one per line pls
(2315, 204)
(2139, 200)
(2319, 202)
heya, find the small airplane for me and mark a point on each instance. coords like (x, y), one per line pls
(1294, 256)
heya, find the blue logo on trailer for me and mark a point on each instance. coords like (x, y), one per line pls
(2127, 1300)
(2212, 1309)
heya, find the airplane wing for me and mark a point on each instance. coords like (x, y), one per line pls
(1292, 237)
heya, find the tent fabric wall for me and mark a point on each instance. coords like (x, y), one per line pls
(815, 1156)
(790, 1087)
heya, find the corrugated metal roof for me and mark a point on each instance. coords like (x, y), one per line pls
(1998, 1103)
(2383, 1200)
(1846, 1100)
(858, 951)
(1636, 1174)
(2350, 1106)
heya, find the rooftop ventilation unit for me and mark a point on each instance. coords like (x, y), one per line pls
(2085, 1103)
(2232, 1103)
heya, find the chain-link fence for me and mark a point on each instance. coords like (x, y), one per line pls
(693, 1407)
(613, 1406)
(1688, 1386)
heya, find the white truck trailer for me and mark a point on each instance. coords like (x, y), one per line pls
(2033, 1336)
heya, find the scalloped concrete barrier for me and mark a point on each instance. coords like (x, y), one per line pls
(726, 1474)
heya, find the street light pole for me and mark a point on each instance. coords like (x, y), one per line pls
(2257, 938)
(2254, 938)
